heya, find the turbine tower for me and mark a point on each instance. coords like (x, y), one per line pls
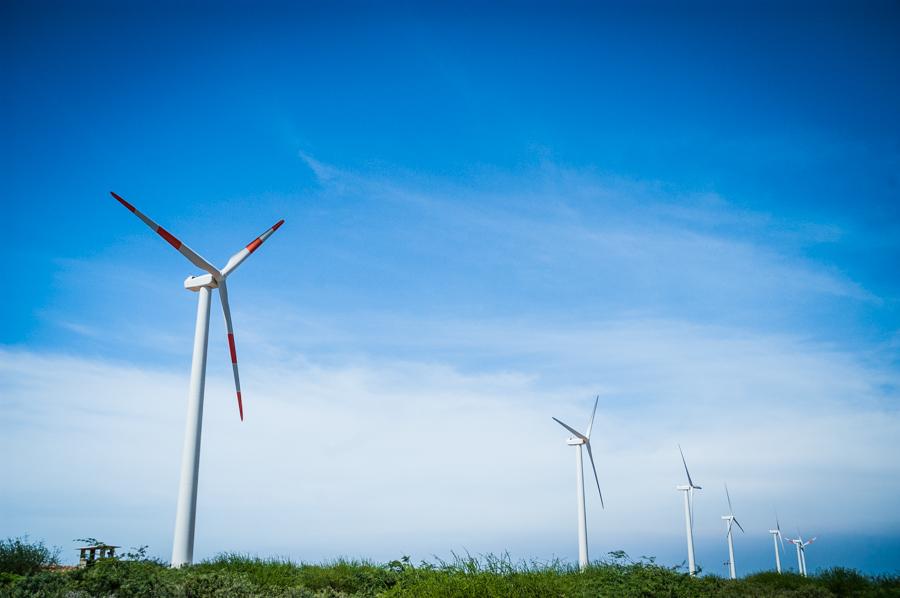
(578, 440)
(186, 513)
(730, 521)
(776, 538)
(688, 490)
(801, 551)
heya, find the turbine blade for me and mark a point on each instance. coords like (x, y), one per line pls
(571, 429)
(186, 251)
(596, 479)
(739, 525)
(226, 309)
(808, 542)
(235, 260)
(778, 527)
(690, 482)
(591, 423)
(730, 509)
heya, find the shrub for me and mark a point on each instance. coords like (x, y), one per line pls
(46, 584)
(218, 584)
(137, 579)
(845, 582)
(21, 557)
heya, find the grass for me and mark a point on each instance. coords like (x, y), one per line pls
(235, 575)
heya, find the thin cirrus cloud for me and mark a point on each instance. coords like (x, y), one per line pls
(559, 225)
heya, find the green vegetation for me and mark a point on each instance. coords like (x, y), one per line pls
(19, 557)
(234, 575)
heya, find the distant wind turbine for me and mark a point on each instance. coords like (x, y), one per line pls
(578, 440)
(776, 538)
(688, 490)
(186, 510)
(730, 521)
(801, 551)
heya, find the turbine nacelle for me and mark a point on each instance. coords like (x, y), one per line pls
(195, 283)
(573, 441)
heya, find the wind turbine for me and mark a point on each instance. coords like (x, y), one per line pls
(730, 521)
(578, 440)
(776, 538)
(688, 490)
(801, 551)
(186, 513)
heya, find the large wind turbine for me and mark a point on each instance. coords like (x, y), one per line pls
(801, 551)
(776, 538)
(578, 440)
(688, 490)
(186, 513)
(730, 521)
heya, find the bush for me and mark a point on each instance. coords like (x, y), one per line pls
(46, 584)
(218, 584)
(21, 557)
(844, 582)
(138, 579)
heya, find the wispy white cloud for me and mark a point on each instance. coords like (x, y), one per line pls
(80, 329)
(651, 239)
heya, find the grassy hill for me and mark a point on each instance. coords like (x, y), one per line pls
(243, 576)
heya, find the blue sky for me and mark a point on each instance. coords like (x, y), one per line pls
(492, 214)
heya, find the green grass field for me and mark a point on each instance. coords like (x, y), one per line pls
(23, 572)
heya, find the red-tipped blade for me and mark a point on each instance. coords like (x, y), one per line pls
(235, 260)
(171, 239)
(226, 310)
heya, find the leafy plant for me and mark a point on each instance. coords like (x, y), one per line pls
(20, 557)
